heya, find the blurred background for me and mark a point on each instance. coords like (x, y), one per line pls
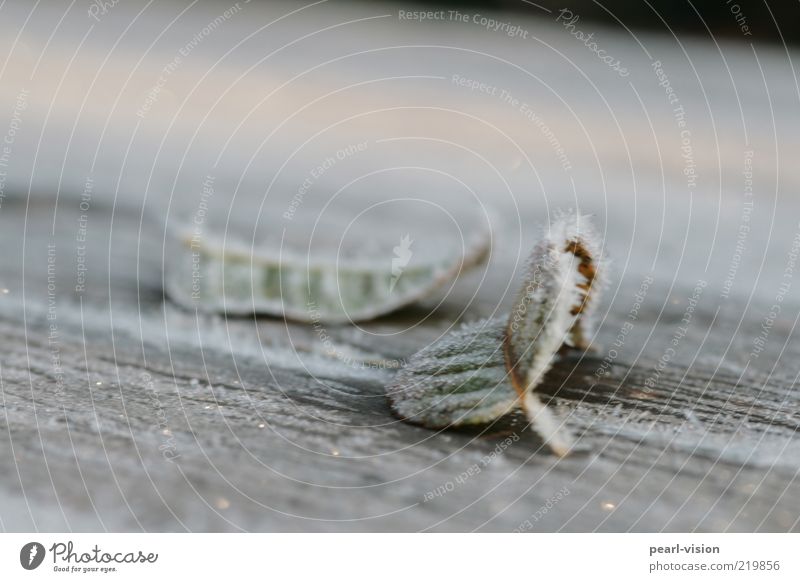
(776, 21)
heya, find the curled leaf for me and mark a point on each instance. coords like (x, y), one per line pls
(482, 371)
(336, 259)
(552, 309)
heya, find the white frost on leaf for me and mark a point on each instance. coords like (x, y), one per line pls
(458, 380)
(482, 371)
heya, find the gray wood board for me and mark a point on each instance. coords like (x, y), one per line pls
(268, 431)
(262, 444)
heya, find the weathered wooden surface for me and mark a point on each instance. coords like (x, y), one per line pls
(264, 430)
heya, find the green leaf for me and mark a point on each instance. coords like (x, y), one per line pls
(481, 371)
(459, 379)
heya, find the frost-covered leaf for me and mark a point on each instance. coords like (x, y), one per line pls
(552, 309)
(483, 370)
(334, 259)
(459, 379)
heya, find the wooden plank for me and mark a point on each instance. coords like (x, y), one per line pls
(133, 413)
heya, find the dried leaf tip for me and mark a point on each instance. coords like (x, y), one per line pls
(553, 308)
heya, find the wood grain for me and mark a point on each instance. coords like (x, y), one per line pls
(123, 412)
